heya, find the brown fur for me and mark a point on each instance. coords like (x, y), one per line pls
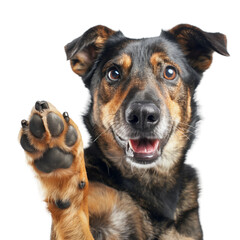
(61, 184)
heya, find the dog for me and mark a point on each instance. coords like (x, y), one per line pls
(131, 182)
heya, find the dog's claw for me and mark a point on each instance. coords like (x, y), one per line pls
(82, 185)
(66, 117)
(24, 123)
(41, 105)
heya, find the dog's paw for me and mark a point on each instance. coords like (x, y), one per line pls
(50, 139)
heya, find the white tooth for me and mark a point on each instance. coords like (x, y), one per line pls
(130, 144)
(130, 150)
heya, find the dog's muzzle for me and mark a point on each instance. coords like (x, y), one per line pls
(143, 117)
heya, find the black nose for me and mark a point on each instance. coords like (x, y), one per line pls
(142, 116)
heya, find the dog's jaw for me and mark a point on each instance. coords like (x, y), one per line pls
(137, 165)
(143, 150)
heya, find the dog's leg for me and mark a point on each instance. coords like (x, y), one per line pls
(53, 146)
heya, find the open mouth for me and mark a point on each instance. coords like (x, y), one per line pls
(143, 150)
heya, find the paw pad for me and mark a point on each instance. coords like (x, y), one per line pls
(26, 144)
(55, 124)
(53, 148)
(36, 126)
(53, 159)
(71, 136)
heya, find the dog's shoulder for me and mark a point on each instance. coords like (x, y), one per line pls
(190, 174)
(187, 211)
(188, 199)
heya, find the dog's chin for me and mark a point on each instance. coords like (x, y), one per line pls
(142, 152)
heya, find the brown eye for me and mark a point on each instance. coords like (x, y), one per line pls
(170, 73)
(113, 74)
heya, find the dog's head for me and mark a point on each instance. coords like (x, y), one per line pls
(142, 90)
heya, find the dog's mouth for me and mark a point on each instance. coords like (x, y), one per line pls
(142, 150)
(144, 147)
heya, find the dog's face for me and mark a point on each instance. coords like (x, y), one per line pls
(140, 98)
(142, 111)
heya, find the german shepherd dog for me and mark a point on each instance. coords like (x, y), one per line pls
(131, 182)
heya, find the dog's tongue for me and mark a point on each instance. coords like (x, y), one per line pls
(144, 145)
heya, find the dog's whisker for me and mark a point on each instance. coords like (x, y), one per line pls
(108, 123)
(183, 123)
(188, 125)
(101, 134)
(183, 133)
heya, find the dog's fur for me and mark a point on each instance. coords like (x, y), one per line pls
(142, 119)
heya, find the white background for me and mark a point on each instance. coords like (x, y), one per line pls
(34, 67)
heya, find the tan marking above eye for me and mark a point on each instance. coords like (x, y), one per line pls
(124, 61)
(160, 59)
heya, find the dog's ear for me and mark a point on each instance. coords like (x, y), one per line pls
(83, 51)
(198, 45)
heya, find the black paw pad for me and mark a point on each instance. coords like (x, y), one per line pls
(63, 204)
(71, 136)
(41, 105)
(53, 159)
(36, 126)
(26, 145)
(55, 124)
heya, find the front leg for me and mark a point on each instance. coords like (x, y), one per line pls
(187, 227)
(54, 149)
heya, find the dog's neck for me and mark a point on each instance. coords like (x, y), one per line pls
(159, 193)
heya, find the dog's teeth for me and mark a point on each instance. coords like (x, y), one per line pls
(130, 144)
(130, 149)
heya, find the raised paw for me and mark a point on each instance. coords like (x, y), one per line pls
(51, 140)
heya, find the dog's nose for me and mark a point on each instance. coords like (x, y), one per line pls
(142, 116)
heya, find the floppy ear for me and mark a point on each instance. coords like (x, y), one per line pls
(198, 45)
(83, 51)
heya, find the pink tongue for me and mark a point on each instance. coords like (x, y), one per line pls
(144, 145)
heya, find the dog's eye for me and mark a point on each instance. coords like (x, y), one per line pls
(170, 73)
(113, 74)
